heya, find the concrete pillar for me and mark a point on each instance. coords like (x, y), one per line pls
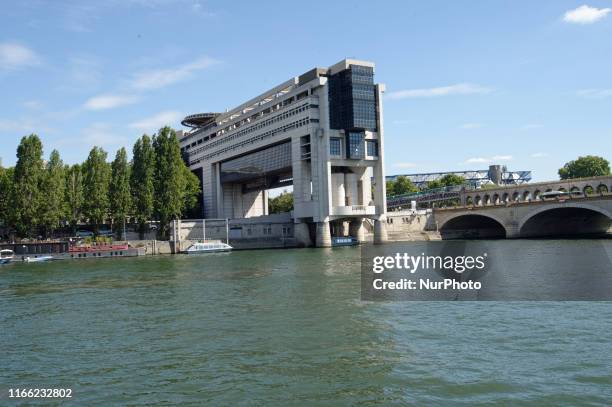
(380, 231)
(338, 191)
(302, 234)
(357, 230)
(366, 188)
(350, 181)
(344, 228)
(323, 236)
(265, 202)
(218, 191)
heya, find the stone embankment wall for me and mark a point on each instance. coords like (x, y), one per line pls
(411, 225)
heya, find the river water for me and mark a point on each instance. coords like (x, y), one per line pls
(288, 327)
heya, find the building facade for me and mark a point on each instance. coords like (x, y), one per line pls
(321, 132)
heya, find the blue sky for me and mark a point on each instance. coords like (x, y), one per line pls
(526, 84)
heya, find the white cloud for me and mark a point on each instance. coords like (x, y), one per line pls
(469, 126)
(154, 123)
(404, 165)
(160, 78)
(595, 93)
(539, 155)
(477, 160)
(488, 160)
(15, 56)
(457, 89)
(585, 15)
(103, 102)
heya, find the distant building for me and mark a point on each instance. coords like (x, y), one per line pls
(496, 174)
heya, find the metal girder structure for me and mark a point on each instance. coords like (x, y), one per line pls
(474, 177)
(427, 196)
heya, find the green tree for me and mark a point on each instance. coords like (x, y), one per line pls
(435, 184)
(96, 177)
(27, 177)
(192, 192)
(119, 190)
(53, 188)
(6, 189)
(142, 183)
(390, 188)
(585, 167)
(281, 203)
(169, 178)
(73, 198)
(401, 185)
(450, 180)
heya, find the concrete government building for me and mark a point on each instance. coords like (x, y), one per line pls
(321, 132)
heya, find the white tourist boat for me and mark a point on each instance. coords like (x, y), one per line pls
(208, 247)
(37, 259)
(6, 256)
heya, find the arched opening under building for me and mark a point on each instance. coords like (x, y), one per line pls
(567, 222)
(472, 227)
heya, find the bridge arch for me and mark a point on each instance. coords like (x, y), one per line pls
(588, 190)
(602, 189)
(566, 219)
(473, 226)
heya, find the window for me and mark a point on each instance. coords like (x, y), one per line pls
(372, 148)
(335, 146)
(356, 145)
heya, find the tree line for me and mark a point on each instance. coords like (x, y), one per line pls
(582, 167)
(38, 197)
(403, 185)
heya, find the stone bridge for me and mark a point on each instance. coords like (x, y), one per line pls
(589, 215)
(533, 192)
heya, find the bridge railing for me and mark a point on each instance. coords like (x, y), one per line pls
(539, 200)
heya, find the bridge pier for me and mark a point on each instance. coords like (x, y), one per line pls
(302, 234)
(323, 235)
(380, 231)
(357, 230)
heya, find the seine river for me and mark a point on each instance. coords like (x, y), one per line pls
(288, 327)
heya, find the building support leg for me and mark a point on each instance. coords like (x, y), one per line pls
(302, 234)
(323, 238)
(357, 229)
(380, 231)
